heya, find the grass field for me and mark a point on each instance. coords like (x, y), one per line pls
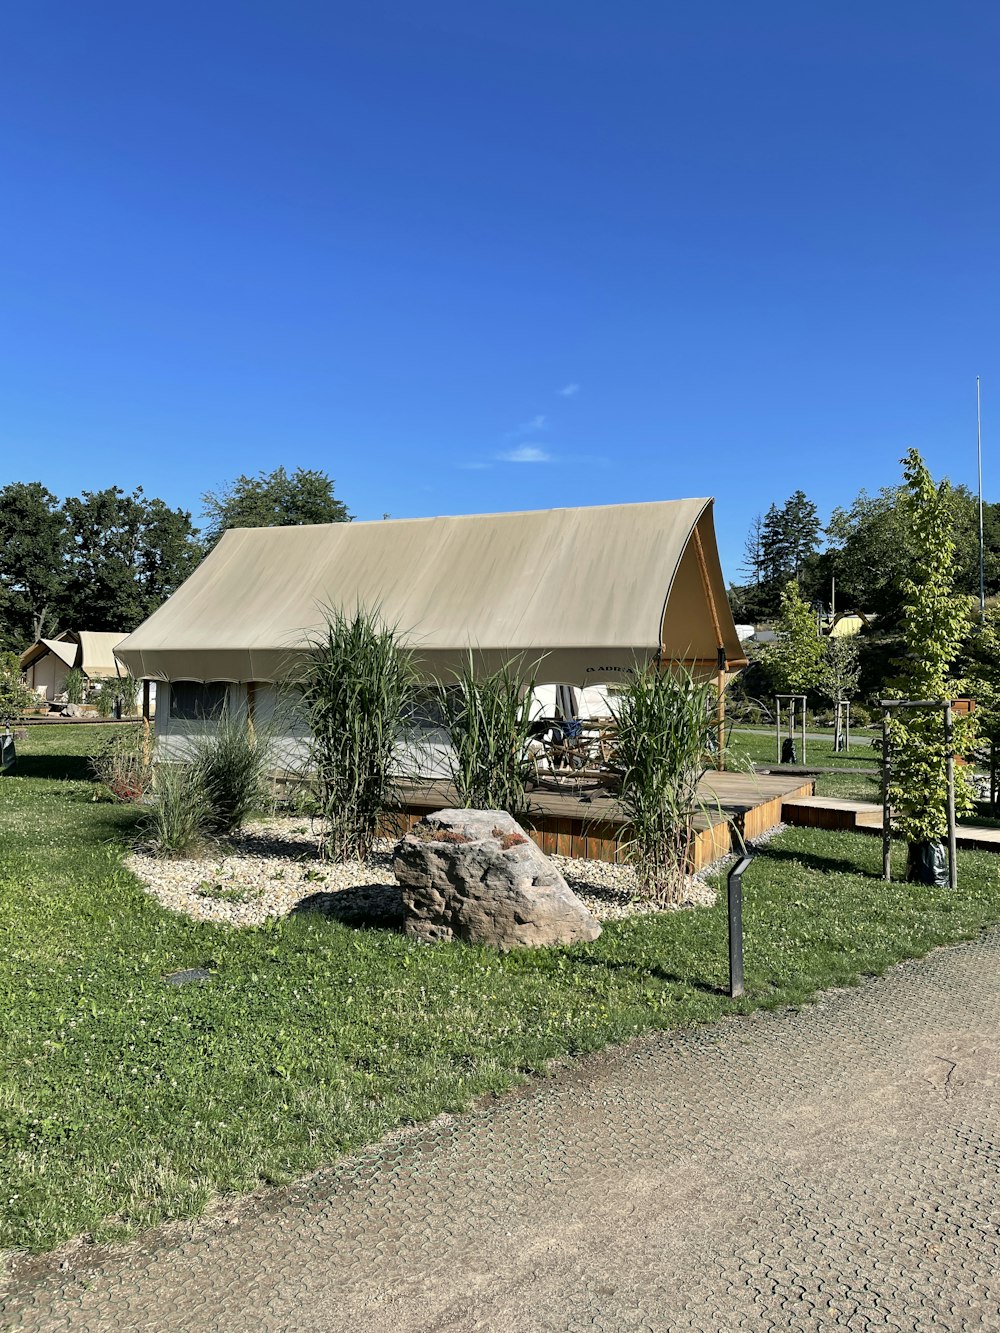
(125, 1100)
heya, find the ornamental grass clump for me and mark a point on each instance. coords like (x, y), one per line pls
(76, 686)
(666, 722)
(178, 823)
(357, 686)
(488, 718)
(231, 766)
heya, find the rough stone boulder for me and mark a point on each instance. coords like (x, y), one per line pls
(475, 875)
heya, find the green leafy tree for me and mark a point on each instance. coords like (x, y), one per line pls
(935, 623)
(273, 500)
(33, 543)
(15, 696)
(794, 660)
(839, 669)
(127, 555)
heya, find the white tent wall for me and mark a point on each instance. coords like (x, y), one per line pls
(279, 724)
(48, 674)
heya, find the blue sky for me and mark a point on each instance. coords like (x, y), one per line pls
(471, 257)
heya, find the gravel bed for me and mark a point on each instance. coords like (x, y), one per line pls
(272, 869)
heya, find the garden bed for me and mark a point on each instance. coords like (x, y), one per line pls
(272, 869)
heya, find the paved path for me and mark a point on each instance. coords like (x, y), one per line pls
(831, 1168)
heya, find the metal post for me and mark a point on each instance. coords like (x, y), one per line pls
(145, 701)
(734, 885)
(886, 812)
(778, 728)
(803, 700)
(847, 726)
(949, 741)
(720, 719)
(993, 778)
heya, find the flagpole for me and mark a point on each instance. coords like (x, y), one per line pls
(979, 455)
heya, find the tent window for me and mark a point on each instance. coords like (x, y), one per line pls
(192, 701)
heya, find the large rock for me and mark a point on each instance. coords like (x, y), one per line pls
(475, 875)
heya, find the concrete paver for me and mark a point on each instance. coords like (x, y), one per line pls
(831, 1168)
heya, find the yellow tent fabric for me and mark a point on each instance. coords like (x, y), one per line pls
(589, 594)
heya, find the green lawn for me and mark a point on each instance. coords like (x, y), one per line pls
(758, 748)
(124, 1100)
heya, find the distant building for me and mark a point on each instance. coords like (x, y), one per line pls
(47, 663)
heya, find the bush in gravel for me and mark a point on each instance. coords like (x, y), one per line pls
(666, 725)
(357, 686)
(179, 822)
(231, 765)
(488, 717)
(125, 764)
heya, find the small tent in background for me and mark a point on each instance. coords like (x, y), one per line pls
(47, 663)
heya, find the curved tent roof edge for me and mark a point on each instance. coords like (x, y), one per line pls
(590, 593)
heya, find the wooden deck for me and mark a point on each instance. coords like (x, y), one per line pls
(588, 825)
(828, 812)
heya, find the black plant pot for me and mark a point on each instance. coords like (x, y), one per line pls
(927, 863)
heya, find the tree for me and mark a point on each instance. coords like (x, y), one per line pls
(15, 697)
(788, 537)
(935, 622)
(839, 669)
(127, 555)
(794, 659)
(273, 500)
(32, 553)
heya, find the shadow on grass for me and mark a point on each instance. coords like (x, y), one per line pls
(369, 907)
(641, 968)
(843, 865)
(61, 767)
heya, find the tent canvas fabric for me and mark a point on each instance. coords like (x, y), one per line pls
(93, 651)
(576, 595)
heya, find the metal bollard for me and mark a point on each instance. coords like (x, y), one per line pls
(735, 889)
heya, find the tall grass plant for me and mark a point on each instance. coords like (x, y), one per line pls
(488, 717)
(666, 728)
(231, 766)
(357, 687)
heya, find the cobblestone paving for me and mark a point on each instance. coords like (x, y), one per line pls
(833, 1168)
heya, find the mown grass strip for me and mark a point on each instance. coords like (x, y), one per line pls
(125, 1100)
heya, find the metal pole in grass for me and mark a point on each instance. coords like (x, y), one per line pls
(949, 751)
(734, 885)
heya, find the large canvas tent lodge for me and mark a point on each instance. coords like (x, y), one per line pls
(578, 596)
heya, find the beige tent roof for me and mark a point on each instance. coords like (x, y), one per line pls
(591, 591)
(92, 651)
(97, 652)
(65, 651)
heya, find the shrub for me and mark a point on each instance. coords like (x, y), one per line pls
(935, 622)
(15, 696)
(230, 766)
(125, 764)
(358, 684)
(178, 823)
(488, 717)
(666, 726)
